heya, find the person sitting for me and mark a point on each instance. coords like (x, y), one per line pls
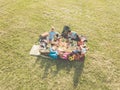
(80, 42)
(52, 34)
(53, 52)
(73, 35)
(84, 49)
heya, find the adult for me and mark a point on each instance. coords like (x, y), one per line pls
(73, 35)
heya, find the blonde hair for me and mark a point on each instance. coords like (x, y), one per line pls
(53, 28)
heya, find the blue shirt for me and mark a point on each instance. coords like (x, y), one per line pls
(51, 35)
(53, 54)
(72, 35)
(53, 51)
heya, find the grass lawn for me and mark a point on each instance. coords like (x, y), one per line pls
(22, 21)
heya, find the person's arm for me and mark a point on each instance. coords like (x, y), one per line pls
(45, 34)
(48, 36)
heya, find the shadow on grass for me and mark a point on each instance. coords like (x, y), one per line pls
(47, 64)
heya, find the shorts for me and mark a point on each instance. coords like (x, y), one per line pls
(50, 39)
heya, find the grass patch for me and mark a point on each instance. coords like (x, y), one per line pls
(22, 21)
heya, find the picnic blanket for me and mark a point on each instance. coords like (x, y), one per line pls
(35, 50)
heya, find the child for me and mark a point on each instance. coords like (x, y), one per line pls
(83, 50)
(52, 34)
(80, 42)
(53, 52)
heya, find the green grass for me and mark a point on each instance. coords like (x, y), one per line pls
(22, 21)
